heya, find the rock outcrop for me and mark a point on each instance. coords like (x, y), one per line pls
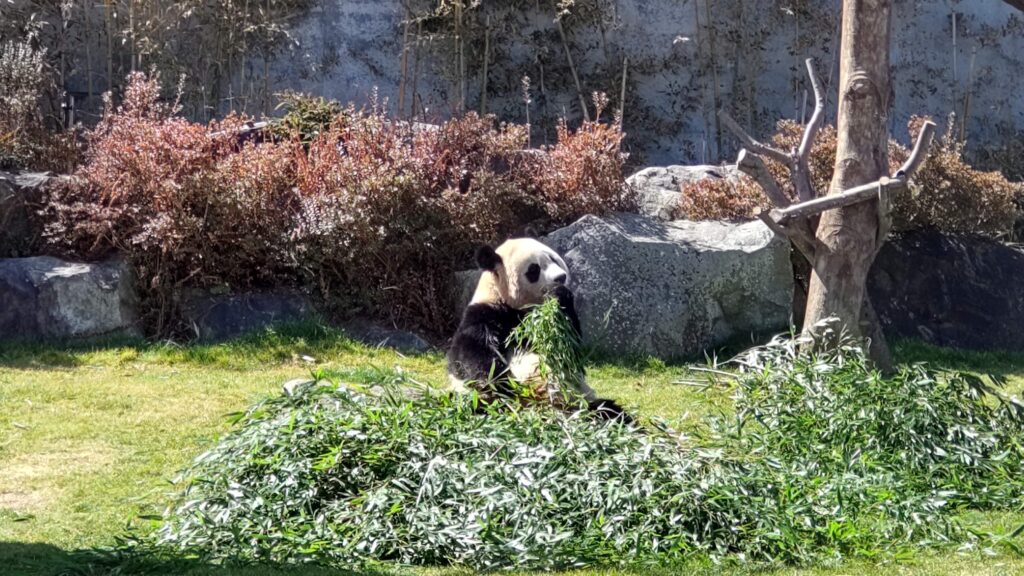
(20, 231)
(659, 187)
(46, 298)
(960, 292)
(221, 316)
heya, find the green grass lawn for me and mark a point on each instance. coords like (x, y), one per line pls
(90, 435)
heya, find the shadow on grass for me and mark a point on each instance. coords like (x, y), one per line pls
(995, 363)
(33, 559)
(278, 344)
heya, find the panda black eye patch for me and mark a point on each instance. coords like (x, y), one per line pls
(533, 273)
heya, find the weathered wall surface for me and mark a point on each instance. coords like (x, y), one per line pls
(345, 48)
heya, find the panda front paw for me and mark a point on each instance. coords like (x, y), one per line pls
(562, 294)
(610, 410)
(566, 301)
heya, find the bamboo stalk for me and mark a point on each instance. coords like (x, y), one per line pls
(131, 34)
(404, 67)
(460, 61)
(87, 9)
(526, 102)
(622, 95)
(956, 77)
(487, 60)
(572, 68)
(242, 58)
(416, 68)
(715, 89)
(110, 46)
(703, 85)
(967, 96)
(266, 69)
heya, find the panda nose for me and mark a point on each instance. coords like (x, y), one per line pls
(560, 279)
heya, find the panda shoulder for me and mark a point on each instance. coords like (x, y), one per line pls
(489, 313)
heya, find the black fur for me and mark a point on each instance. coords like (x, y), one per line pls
(487, 258)
(610, 410)
(480, 345)
(480, 348)
(533, 273)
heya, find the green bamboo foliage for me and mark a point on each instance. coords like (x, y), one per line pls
(820, 458)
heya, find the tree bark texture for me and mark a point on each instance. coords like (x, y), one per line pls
(848, 237)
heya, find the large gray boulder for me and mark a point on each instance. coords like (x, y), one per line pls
(377, 335)
(219, 316)
(675, 289)
(659, 187)
(672, 290)
(47, 298)
(216, 315)
(955, 291)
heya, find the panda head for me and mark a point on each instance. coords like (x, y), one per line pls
(519, 273)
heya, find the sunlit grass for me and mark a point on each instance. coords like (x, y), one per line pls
(90, 433)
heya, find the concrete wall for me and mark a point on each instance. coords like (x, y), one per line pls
(345, 48)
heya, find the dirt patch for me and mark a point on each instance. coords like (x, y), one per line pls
(29, 483)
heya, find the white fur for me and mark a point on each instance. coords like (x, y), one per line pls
(457, 385)
(525, 367)
(508, 283)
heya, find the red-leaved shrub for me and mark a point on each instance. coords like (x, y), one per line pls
(950, 195)
(369, 213)
(181, 203)
(721, 199)
(371, 228)
(581, 173)
(389, 209)
(947, 193)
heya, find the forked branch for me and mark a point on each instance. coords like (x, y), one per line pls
(818, 117)
(801, 167)
(750, 143)
(797, 160)
(882, 187)
(751, 162)
(792, 220)
(800, 235)
(752, 165)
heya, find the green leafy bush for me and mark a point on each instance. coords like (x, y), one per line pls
(821, 459)
(304, 116)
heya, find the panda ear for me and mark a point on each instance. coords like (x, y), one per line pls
(487, 258)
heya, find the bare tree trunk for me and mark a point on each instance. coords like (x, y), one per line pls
(849, 237)
(855, 215)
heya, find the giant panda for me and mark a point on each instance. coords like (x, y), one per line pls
(520, 273)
